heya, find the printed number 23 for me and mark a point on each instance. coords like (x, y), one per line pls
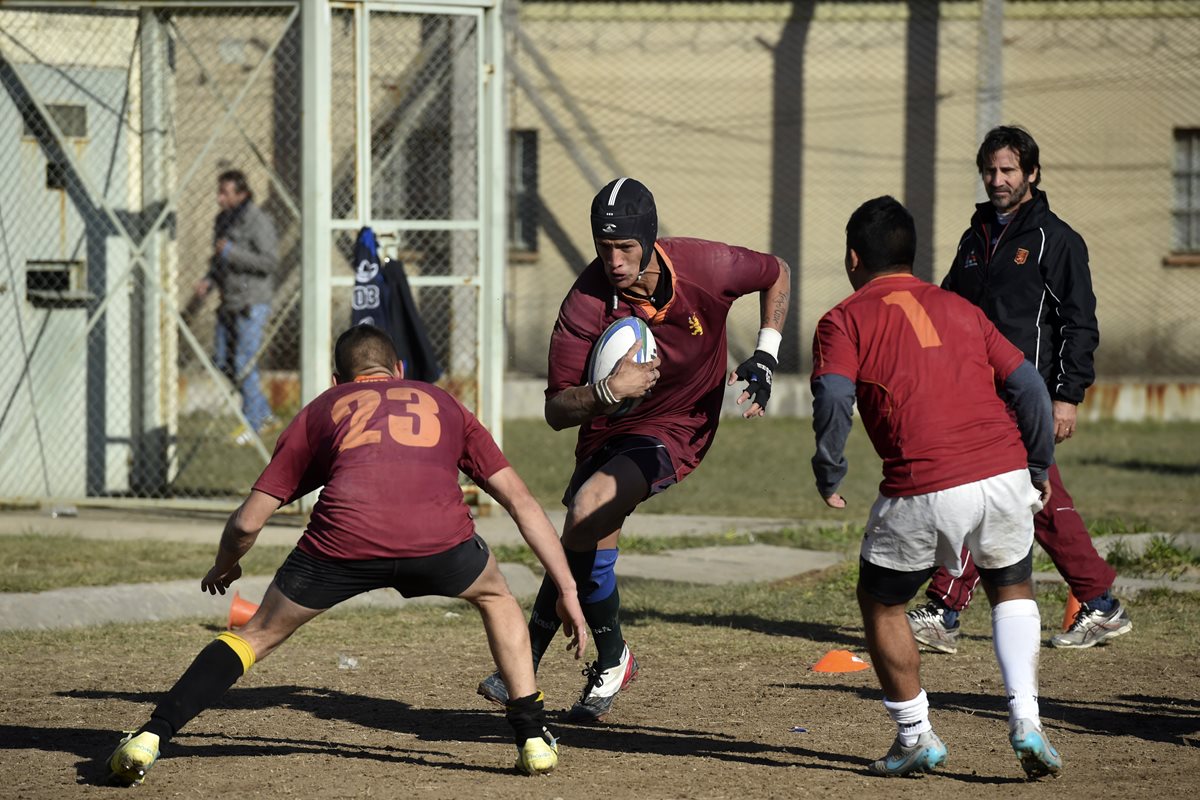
(417, 427)
(918, 318)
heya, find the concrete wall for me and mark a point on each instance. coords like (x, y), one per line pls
(681, 95)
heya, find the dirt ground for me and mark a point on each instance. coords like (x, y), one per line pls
(714, 713)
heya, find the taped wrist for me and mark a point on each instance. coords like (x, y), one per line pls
(768, 342)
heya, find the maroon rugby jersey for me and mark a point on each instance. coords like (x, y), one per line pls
(388, 452)
(685, 405)
(925, 363)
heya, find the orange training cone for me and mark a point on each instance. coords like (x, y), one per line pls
(840, 661)
(1071, 610)
(240, 611)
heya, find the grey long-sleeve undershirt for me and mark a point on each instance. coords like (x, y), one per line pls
(833, 405)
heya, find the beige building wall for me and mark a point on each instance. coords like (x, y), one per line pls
(681, 96)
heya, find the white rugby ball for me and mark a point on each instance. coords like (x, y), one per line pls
(612, 346)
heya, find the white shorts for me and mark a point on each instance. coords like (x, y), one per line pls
(992, 517)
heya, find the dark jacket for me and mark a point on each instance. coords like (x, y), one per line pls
(245, 270)
(1036, 288)
(382, 298)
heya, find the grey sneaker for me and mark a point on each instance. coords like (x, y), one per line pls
(601, 688)
(926, 755)
(492, 688)
(928, 623)
(1038, 757)
(1093, 627)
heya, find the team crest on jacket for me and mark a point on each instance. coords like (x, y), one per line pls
(1022, 255)
(971, 261)
(694, 325)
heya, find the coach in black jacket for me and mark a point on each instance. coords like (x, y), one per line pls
(1031, 278)
(1028, 271)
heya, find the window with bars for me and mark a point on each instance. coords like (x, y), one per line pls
(523, 202)
(1186, 208)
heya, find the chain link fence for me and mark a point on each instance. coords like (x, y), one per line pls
(421, 188)
(118, 123)
(766, 124)
(118, 120)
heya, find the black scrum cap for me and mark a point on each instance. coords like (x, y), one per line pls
(624, 209)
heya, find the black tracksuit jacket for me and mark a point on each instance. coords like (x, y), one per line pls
(1036, 288)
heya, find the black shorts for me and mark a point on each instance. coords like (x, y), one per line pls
(893, 587)
(319, 582)
(648, 453)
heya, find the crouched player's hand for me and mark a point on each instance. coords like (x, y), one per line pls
(757, 371)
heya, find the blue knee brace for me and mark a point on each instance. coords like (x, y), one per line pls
(603, 576)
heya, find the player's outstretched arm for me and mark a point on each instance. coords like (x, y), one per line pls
(241, 531)
(577, 404)
(833, 403)
(759, 369)
(510, 491)
(1026, 393)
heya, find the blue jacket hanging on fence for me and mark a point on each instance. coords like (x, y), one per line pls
(383, 298)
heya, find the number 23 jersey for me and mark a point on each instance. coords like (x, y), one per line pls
(388, 452)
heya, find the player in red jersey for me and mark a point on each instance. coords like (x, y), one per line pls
(683, 288)
(387, 452)
(923, 366)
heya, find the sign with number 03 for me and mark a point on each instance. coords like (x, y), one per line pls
(416, 426)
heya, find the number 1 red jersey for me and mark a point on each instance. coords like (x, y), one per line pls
(925, 363)
(388, 452)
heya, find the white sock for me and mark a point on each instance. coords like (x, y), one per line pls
(1016, 634)
(911, 717)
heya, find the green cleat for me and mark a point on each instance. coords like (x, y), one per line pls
(133, 758)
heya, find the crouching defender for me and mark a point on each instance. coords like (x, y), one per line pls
(387, 452)
(924, 365)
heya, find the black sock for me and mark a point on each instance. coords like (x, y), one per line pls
(543, 620)
(212, 673)
(581, 564)
(527, 716)
(604, 618)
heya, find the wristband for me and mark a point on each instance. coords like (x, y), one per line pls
(603, 394)
(768, 342)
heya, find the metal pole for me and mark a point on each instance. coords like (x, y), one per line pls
(493, 215)
(155, 366)
(989, 88)
(316, 206)
(362, 116)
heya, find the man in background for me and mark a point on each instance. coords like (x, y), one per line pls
(1028, 271)
(242, 268)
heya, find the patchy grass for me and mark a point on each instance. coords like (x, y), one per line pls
(35, 563)
(1123, 477)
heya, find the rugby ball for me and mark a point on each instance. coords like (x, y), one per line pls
(612, 346)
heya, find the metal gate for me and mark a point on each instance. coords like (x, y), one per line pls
(117, 118)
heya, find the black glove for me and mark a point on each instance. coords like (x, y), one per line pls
(757, 371)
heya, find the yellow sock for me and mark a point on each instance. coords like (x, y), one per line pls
(240, 646)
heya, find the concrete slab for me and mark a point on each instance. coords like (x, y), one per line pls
(151, 602)
(496, 528)
(724, 565)
(1127, 587)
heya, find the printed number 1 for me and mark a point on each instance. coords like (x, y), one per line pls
(918, 318)
(419, 426)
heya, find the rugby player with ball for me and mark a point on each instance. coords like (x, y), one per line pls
(647, 421)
